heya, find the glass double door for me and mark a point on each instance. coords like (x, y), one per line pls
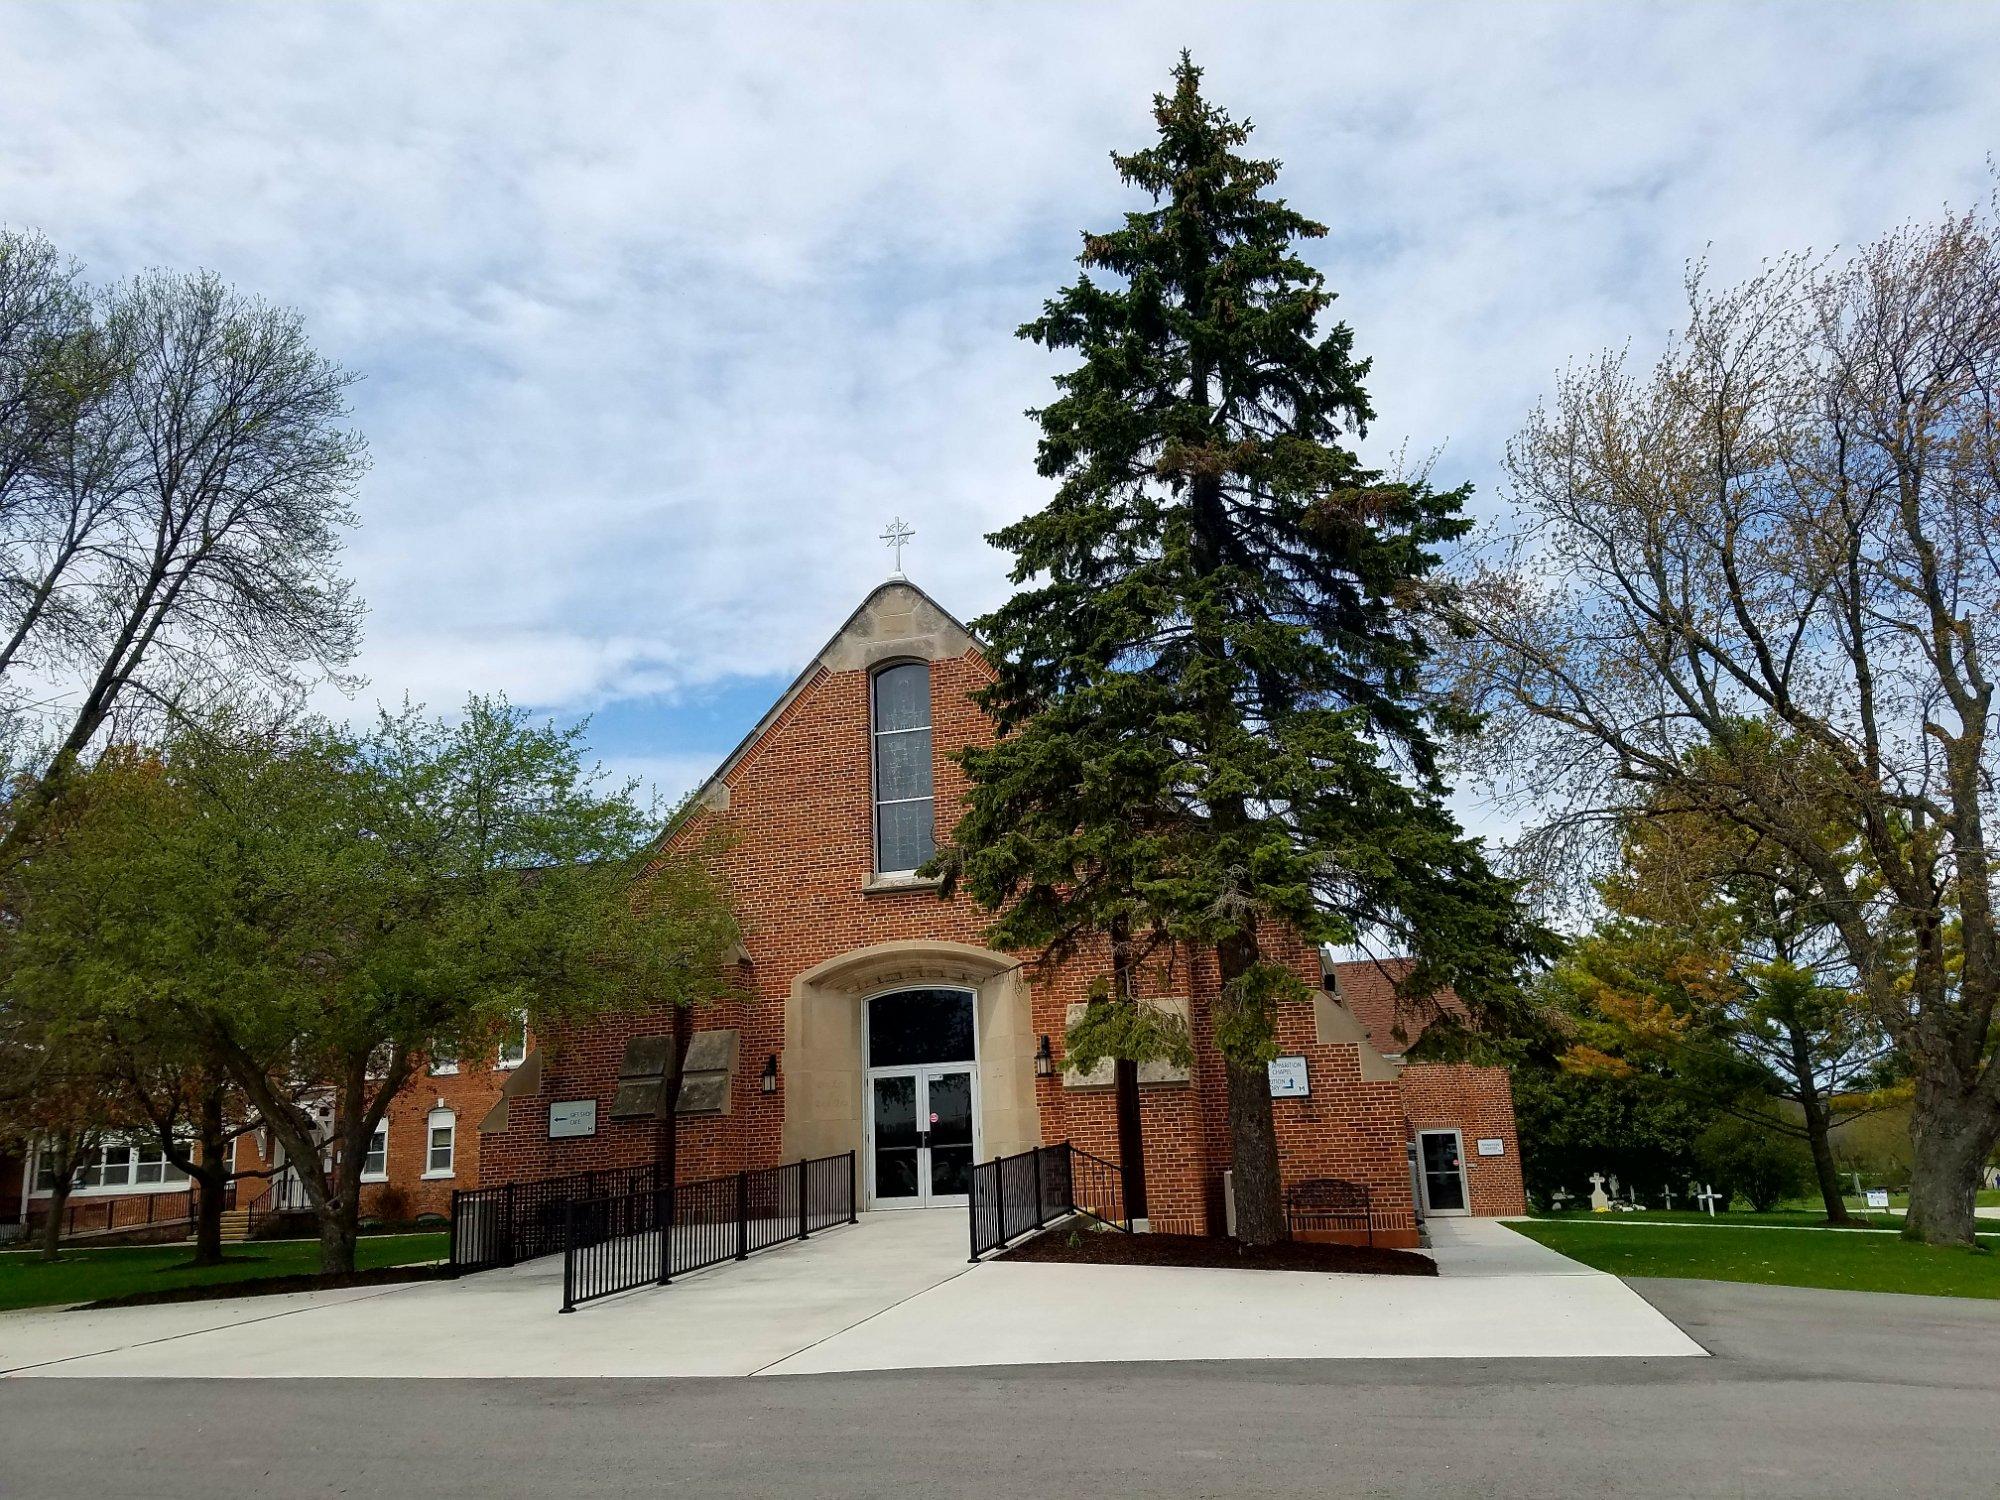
(921, 1136)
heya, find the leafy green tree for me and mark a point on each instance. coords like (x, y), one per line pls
(56, 1101)
(1210, 722)
(325, 911)
(1744, 1157)
(1573, 1124)
(1734, 979)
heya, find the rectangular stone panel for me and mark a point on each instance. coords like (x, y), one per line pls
(1152, 1071)
(640, 1099)
(647, 1057)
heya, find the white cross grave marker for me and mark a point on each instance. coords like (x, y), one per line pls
(1668, 1194)
(1599, 1204)
(1708, 1197)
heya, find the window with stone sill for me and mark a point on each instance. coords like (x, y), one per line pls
(443, 1142)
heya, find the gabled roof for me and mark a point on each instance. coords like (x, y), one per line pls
(896, 621)
(1367, 987)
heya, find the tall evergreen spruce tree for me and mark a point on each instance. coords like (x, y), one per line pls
(1209, 718)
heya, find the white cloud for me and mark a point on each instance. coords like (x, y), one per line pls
(665, 310)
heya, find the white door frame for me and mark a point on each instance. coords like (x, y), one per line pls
(922, 1073)
(1464, 1182)
(919, 1071)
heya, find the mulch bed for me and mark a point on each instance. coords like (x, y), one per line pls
(265, 1286)
(1067, 1245)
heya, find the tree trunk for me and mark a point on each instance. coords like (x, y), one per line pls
(208, 1219)
(337, 1234)
(1951, 1139)
(1819, 1139)
(1125, 1077)
(52, 1230)
(1131, 1139)
(212, 1180)
(1819, 1134)
(1253, 1137)
(1253, 1147)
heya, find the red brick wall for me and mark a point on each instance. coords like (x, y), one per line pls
(409, 1192)
(796, 849)
(1477, 1102)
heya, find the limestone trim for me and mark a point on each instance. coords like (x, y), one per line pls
(865, 971)
(1334, 1024)
(525, 1079)
(896, 620)
(824, 1068)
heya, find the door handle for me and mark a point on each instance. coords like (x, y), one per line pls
(923, 1140)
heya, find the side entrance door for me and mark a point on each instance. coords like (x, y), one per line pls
(923, 1126)
(1441, 1154)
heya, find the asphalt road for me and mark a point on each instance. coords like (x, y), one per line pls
(1810, 1393)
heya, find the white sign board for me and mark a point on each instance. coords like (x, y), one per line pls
(572, 1117)
(1878, 1197)
(1288, 1078)
(1491, 1145)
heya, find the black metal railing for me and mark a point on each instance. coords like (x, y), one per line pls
(1014, 1194)
(618, 1242)
(517, 1221)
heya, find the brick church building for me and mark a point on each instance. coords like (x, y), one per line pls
(869, 1015)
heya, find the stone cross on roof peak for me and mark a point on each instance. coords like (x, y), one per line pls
(897, 536)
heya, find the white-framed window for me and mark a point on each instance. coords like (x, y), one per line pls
(900, 724)
(442, 1143)
(133, 1165)
(513, 1042)
(375, 1165)
(444, 1058)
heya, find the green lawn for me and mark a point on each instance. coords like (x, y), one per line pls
(1804, 1218)
(87, 1275)
(1985, 1198)
(1783, 1257)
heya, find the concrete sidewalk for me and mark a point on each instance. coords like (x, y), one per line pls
(1498, 1295)
(892, 1292)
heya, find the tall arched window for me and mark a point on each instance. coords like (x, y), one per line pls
(904, 836)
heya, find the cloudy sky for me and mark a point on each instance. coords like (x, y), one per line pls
(664, 311)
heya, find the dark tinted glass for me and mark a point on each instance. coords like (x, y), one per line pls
(919, 1026)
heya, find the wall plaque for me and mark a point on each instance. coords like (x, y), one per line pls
(1288, 1078)
(1492, 1146)
(569, 1118)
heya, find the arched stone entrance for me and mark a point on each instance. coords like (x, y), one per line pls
(826, 1063)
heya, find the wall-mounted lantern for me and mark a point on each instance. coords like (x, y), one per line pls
(769, 1082)
(1045, 1062)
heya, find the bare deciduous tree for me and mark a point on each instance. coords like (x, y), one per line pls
(175, 477)
(1789, 525)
